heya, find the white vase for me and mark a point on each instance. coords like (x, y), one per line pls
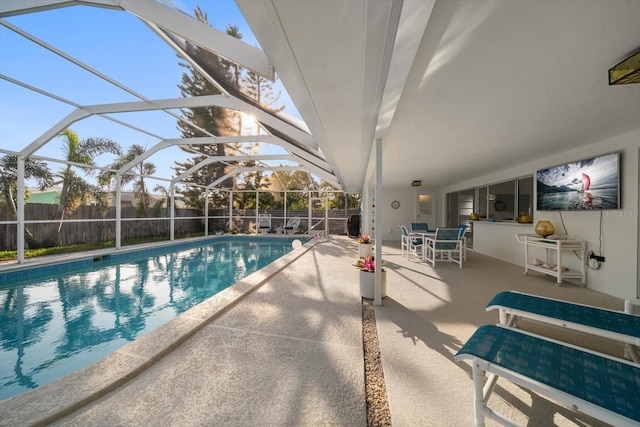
(368, 283)
(365, 249)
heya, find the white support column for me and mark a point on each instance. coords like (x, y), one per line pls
(230, 209)
(285, 208)
(365, 208)
(118, 213)
(172, 225)
(20, 207)
(346, 210)
(377, 221)
(309, 212)
(206, 212)
(326, 216)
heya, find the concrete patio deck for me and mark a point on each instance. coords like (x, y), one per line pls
(289, 352)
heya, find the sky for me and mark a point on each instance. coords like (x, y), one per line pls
(116, 44)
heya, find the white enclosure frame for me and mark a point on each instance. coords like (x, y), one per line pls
(301, 146)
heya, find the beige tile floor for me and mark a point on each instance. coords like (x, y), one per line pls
(285, 349)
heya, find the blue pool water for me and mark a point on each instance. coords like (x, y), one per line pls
(54, 322)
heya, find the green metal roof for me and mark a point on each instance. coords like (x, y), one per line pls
(46, 197)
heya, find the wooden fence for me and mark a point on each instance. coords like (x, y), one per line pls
(90, 224)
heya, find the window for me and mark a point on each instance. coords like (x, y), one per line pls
(525, 196)
(460, 205)
(425, 204)
(465, 205)
(502, 201)
(482, 202)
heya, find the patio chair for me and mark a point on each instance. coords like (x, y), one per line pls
(264, 223)
(292, 225)
(463, 230)
(421, 227)
(409, 244)
(446, 245)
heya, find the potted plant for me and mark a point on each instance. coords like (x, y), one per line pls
(367, 267)
(365, 246)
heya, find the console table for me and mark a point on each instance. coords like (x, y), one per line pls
(559, 246)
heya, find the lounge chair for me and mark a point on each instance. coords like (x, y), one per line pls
(618, 326)
(599, 385)
(264, 223)
(292, 225)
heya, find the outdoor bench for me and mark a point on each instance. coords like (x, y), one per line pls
(601, 386)
(619, 326)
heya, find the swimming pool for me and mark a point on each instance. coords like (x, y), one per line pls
(60, 318)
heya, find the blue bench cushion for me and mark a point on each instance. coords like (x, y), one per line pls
(608, 320)
(608, 383)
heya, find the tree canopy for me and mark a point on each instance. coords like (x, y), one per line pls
(216, 120)
(135, 175)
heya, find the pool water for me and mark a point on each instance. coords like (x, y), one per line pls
(54, 324)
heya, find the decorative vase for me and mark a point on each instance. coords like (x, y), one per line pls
(368, 283)
(524, 219)
(365, 249)
(544, 228)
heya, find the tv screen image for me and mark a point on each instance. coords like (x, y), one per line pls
(586, 184)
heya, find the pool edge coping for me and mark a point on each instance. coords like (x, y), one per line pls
(59, 398)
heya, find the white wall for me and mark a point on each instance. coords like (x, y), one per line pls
(498, 239)
(404, 215)
(618, 275)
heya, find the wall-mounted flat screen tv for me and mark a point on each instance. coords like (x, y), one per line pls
(592, 183)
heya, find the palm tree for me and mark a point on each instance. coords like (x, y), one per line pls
(136, 175)
(74, 188)
(33, 169)
(160, 203)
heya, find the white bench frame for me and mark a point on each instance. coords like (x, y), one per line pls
(483, 389)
